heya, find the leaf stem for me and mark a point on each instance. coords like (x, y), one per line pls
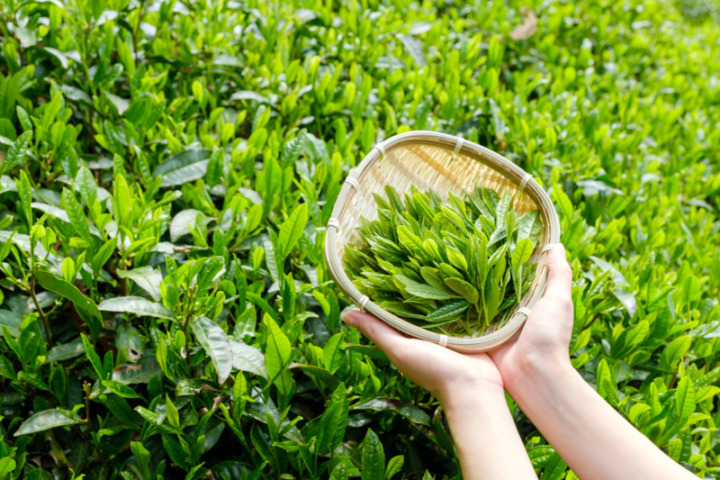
(86, 391)
(39, 309)
(186, 324)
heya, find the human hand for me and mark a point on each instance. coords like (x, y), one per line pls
(469, 388)
(543, 343)
(434, 368)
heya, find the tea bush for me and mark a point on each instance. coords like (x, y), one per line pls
(168, 168)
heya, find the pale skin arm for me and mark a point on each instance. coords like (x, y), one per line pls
(470, 389)
(534, 367)
(595, 440)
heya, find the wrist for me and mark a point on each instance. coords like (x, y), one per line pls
(471, 395)
(534, 373)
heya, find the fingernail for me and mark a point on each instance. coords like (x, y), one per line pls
(348, 316)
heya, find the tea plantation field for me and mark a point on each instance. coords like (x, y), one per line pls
(168, 168)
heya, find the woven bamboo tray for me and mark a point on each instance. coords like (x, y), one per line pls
(443, 163)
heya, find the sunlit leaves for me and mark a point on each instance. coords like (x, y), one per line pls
(447, 263)
(183, 167)
(277, 357)
(291, 231)
(612, 114)
(216, 344)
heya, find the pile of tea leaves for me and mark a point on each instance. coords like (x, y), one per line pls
(455, 267)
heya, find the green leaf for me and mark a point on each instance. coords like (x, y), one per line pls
(172, 412)
(394, 466)
(183, 167)
(674, 351)
(85, 183)
(333, 355)
(522, 253)
(11, 321)
(564, 202)
(142, 458)
(277, 356)
(335, 418)
(58, 285)
(272, 177)
(184, 222)
(65, 351)
(216, 344)
(421, 290)
(463, 288)
(76, 215)
(627, 300)
(25, 193)
(93, 357)
(606, 382)
(174, 450)
(340, 472)
(291, 231)
(270, 259)
(17, 153)
(7, 465)
(446, 312)
(373, 457)
(120, 389)
(146, 278)
(122, 200)
(248, 359)
(46, 420)
(554, 468)
(414, 48)
(410, 241)
(137, 306)
(685, 398)
(248, 95)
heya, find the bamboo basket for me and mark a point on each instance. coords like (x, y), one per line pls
(443, 163)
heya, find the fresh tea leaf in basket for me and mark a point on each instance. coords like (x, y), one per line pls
(455, 267)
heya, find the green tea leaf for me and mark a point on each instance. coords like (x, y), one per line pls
(93, 357)
(451, 310)
(76, 215)
(685, 398)
(421, 290)
(333, 356)
(373, 457)
(463, 288)
(291, 231)
(25, 193)
(16, 154)
(146, 278)
(183, 167)
(137, 306)
(522, 253)
(248, 359)
(58, 285)
(46, 420)
(216, 344)
(277, 356)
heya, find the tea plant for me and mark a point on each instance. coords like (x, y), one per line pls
(456, 266)
(167, 169)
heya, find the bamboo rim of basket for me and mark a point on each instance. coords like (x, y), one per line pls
(517, 178)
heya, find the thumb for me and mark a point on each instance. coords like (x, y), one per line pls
(376, 330)
(559, 282)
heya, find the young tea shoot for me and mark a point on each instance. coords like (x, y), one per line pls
(454, 267)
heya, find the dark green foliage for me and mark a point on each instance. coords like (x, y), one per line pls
(452, 267)
(167, 169)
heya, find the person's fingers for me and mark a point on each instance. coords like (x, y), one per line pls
(559, 283)
(384, 336)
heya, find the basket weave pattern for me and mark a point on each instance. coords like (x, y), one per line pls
(443, 163)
